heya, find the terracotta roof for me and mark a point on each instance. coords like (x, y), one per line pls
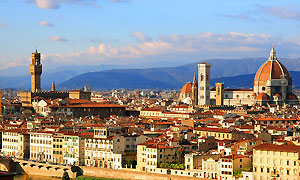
(186, 89)
(262, 96)
(292, 96)
(152, 109)
(271, 69)
(273, 147)
(212, 129)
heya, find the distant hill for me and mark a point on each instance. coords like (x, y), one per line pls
(152, 79)
(236, 73)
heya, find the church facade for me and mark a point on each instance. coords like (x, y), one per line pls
(272, 85)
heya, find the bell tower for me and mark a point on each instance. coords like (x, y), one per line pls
(204, 84)
(36, 71)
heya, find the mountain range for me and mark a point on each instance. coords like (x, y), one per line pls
(235, 73)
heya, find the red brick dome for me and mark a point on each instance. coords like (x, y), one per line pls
(186, 89)
(271, 69)
(262, 97)
(292, 96)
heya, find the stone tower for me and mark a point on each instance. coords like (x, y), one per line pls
(204, 84)
(36, 71)
(219, 93)
(195, 91)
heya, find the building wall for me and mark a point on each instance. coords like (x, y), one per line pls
(15, 144)
(217, 135)
(275, 164)
(58, 149)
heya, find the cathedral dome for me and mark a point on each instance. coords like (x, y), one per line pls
(271, 69)
(292, 96)
(262, 97)
(186, 89)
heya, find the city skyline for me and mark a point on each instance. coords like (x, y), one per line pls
(143, 33)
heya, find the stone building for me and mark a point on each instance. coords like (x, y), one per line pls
(36, 92)
(272, 161)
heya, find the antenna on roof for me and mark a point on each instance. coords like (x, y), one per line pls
(204, 59)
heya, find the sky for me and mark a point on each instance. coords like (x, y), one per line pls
(145, 33)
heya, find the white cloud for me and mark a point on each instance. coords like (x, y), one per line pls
(283, 12)
(2, 24)
(140, 36)
(213, 45)
(55, 4)
(178, 49)
(45, 23)
(47, 4)
(57, 39)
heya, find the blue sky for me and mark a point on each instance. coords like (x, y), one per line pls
(145, 33)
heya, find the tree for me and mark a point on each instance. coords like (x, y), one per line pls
(65, 176)
(132, 162)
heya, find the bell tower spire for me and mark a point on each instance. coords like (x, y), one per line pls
(53, 87)
(195, 91)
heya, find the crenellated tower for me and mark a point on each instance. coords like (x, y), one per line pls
(36, 71)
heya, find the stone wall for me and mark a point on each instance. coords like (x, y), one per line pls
(41, 169)
(132, 175)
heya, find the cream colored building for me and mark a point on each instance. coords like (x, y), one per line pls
(100, 153)
(41, 146)
(211, 168)
(15, 143)
(73, 149)
(276, 162)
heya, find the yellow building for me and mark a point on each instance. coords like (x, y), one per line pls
(218, 133)
(150, 154)
(276, 162)
(58, 149)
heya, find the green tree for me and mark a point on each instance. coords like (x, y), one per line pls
(181, 166)
(65, 176)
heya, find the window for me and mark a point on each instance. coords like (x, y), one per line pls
(287, 162)
(288, 172)
(261, 169)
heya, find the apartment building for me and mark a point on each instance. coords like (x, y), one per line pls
(218, 133)
(58, 149)
(41, 146)
(73, 149)
(15, 143)
(276, 162)
(151, 153)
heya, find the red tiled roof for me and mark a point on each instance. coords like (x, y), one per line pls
(273, 147)
(212, 129)
(186, 89)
